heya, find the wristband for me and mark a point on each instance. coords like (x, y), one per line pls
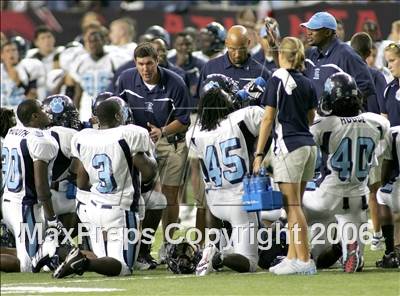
(258, 155)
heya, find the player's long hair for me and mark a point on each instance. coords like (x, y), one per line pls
(214, 106)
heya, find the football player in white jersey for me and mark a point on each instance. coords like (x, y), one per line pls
(64, 122)
(27, 156)
(20, 79)
(223, 141)
(388, 198)
(45, 50)
(348, 140)
(93, 71)
(111, 168)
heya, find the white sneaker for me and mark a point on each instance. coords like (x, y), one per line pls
(377, 243)
(283, 262)
(306, 268)
(205, 265)
(287, 267)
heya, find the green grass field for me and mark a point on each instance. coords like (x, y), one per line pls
(371, 281)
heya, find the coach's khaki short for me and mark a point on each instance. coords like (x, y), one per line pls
(171, 162)
(295, 166)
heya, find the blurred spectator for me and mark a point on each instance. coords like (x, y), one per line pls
(122, 34)
(372, 28)
(3, 38)
(340, 32)
(45, 47)
(161, 47)
(184, 47)
(21, 79)
(194, 33)
(89, 18)
(395, 32)
(362, 44)
(248, 18)
(371, 59)
(211, 42)
(93, 71)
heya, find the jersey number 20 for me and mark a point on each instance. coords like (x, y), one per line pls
(236, 164)
(11, 169)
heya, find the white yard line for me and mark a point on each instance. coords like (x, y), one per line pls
(134, 278)
(33, 289)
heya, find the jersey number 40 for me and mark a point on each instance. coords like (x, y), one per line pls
(343, 163)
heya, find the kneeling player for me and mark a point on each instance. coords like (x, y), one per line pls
(347, 139)
(223, 141)
(27, 154)
(110, 160)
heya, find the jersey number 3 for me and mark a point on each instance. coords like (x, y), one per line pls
(235, 164)
(102, 163)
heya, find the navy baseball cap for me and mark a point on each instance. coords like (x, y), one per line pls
(321, 20)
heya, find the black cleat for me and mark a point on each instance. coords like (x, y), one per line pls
(46, 255)
(388, 261)
(146, 262)
(75, 263)
(217, 261)
(360, 265)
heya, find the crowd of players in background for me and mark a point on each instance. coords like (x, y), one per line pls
(243, 63)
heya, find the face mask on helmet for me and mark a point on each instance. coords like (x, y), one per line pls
(182, 258)
(221, 81)
(62, 111)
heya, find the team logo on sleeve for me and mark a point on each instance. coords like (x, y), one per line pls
(57, 105)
